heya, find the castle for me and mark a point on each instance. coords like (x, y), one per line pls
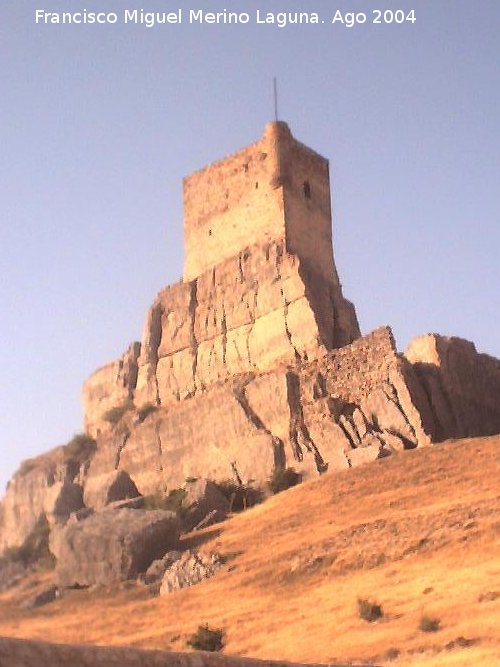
(254, 361)
(259, 285)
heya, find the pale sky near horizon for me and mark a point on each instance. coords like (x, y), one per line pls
(98, 125)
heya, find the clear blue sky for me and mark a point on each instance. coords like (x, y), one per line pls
(98, 125)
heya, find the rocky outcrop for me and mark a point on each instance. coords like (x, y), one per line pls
(254, 362)
(313, 416)
(247, 314)
(41, 488)
(203, 502)
(189, 569)
(101, 490)
(114, 546)
(462, 386)
(344, 408)
(61, 500)
(110, 386)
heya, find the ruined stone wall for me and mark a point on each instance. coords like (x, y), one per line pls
(350, 373)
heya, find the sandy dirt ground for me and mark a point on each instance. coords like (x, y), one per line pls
(417, 533)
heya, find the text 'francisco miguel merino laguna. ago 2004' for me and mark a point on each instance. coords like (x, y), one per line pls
(225, 17)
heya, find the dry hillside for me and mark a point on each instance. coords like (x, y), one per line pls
(416, 533)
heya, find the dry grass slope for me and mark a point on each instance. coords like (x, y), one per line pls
(416, 533)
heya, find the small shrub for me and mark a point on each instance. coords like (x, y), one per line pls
(240, 496)
(207, 639)
(113, 415)
(369, 611)
(35, 548)
(80, 447)
(173, 501)
(155, 501)
(429, 624)
(12, 555)
(146, 410)
(283, 478)
(392, 654)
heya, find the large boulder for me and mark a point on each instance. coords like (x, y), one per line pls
(61, 500)
(113, 546)
(101, 490)
(203, 500)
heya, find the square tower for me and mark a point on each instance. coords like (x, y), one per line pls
(275, 189)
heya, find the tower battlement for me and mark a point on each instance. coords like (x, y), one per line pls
(276, 189)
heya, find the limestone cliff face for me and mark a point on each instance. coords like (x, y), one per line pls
(462, 386)
(346, 407)
(45, 487)
(110, 386)
(247, 314)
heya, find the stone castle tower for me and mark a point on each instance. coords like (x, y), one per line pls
(274, 190)
(259, 288)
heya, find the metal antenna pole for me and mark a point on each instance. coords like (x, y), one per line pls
(275, 85)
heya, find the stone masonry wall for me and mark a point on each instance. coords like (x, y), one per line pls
(229, 205)
(308, 215)
(276, 189)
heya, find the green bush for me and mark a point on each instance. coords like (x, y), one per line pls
(155, 501)
(240, 496)
(283, 478)
(207, 639)
(80, 447)
(173, 501)
(35, 548)
(369, 611)
(145, 410)
(113, 415)
(429, 624)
